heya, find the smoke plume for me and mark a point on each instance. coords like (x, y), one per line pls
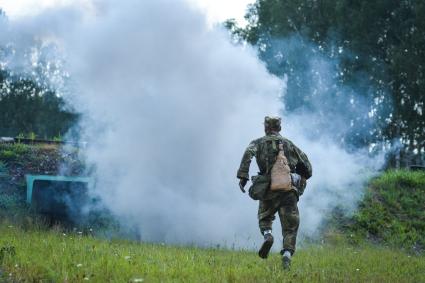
(168, 106)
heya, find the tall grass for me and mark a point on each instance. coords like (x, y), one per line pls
(36, 255)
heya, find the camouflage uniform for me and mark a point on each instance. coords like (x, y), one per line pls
(265, 150)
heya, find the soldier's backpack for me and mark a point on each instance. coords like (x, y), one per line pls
(281, 173)
(276, 178)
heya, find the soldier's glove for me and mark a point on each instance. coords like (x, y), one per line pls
(242, 184)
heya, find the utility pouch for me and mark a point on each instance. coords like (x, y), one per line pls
(259, 187)
(281, 173)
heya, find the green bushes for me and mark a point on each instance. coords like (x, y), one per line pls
(7, 155)
(12, 151)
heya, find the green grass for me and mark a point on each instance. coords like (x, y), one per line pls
(393, 210)
(51, 256)
(392, 214)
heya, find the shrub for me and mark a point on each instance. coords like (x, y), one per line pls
(7, 155)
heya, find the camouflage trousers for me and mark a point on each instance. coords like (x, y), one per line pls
(285, 204)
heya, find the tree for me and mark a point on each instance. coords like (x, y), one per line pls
(27, 104)
(377, 49)
(26, 108)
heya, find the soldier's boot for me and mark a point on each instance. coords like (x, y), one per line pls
(267, 244)
(286, 260)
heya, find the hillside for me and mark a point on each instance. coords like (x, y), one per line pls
(393, 211)
(17, 159)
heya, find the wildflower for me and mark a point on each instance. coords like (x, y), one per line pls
(138, 280)
(357, 269)
(79, 265)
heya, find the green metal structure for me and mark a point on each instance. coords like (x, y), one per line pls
(30, 179)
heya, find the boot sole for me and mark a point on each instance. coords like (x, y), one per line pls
(265, 248)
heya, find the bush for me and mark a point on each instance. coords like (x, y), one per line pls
(13, 151)
(20, 148)
(7, 155)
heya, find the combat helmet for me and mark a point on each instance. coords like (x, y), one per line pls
(272, 123)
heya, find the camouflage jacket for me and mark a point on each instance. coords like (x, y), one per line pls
(265, 150)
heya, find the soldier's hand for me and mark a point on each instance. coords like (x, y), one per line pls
(242, 184)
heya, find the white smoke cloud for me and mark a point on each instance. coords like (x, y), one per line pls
(169, 106)
(180, 103)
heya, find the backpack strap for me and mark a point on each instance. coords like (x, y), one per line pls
(276, 143)
(280, 145)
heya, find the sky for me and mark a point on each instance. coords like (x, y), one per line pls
(216, 10)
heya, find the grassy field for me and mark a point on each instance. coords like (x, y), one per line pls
(391, 216)
(52, 256)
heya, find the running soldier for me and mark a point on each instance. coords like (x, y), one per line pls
(265, 150)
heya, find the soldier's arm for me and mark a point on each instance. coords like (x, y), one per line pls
(251, 150)
(303, 166)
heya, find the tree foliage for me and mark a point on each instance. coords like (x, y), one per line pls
(26, 108)
(27, 105)
(379, 46)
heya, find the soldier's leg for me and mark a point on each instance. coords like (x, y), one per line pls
(266, 214)
(290, 220)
